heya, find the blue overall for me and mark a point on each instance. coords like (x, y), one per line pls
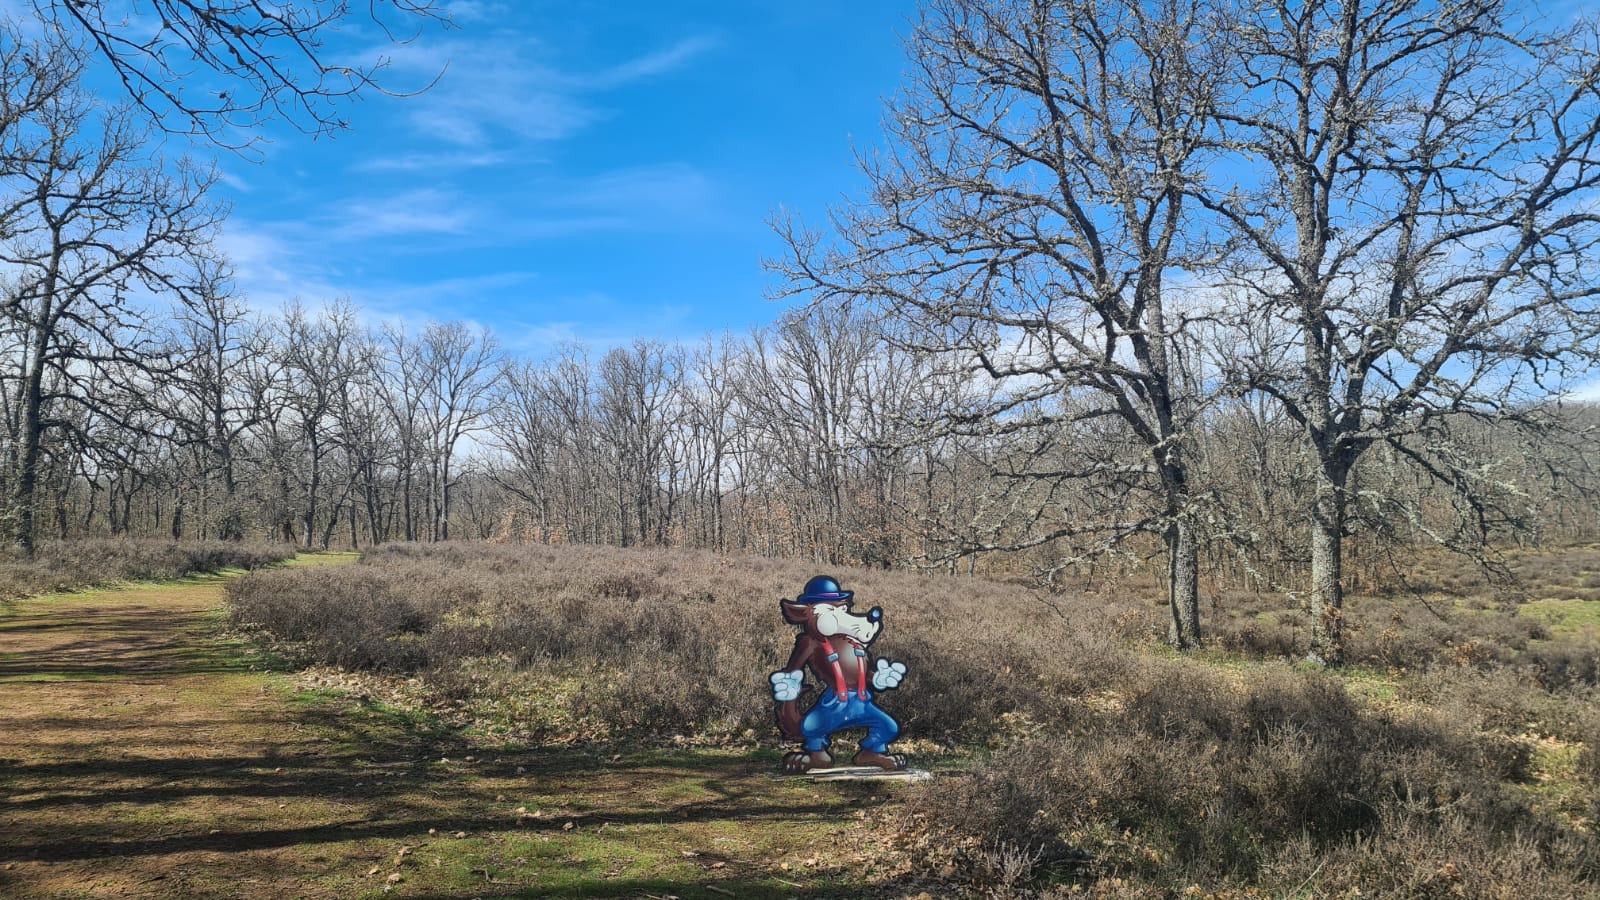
(830, 715)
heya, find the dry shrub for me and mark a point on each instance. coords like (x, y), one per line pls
(681, 643)
(73, 564)
(1565, 665)
(1445, 857)
(1200, 779)
(1140, 774)
(1402, 633)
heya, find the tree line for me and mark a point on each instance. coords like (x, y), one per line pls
(1239, 287)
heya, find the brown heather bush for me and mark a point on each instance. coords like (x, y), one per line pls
(1408, 635)
(1282, 782)
(73, 564)
(681, 643)
(1103, 764)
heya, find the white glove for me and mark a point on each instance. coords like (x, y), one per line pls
(888, 676)
(786, 685)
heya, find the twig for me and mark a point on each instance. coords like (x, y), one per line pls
(489, 879)
(1296, 891)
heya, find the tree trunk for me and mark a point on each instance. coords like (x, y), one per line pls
(30, 433)
(1327, 576)
(1183, 585)
(315, 485)
(444, 501)
(405, 498)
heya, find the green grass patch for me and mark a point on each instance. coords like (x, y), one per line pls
(1566, 618)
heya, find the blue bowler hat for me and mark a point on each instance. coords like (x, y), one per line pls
(823, 589)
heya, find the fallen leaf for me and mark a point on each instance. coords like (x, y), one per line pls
(373, 871)
(567, 827)
(461, 834)
(395, 878)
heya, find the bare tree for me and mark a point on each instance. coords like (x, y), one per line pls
(709, 422)
(217, 395)
(461, 368)
(90, 223)
(317, 361)
(1027, 224)
(369, 435)
(635, 393)
(1410, 188)
(217, 69)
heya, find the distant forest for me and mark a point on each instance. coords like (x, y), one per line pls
(815, 438)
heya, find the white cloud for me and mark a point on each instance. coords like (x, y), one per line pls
(275, 264)
(232, 180)
(462, 12)
(437, 163)
(499, 86)
(1588, 392)
(651, 64)
(419, 212)
(669, 196)
(270, 270)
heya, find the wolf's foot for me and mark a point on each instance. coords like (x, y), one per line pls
(801, 762)
(892, 762)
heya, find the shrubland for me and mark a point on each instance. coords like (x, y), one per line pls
(85, 562)
(1455, 756)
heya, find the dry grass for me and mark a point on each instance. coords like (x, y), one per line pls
(75, 564)
(678, 643)
(1445, 615)
(1095, 759)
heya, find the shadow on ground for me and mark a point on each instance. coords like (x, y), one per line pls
(140, 755)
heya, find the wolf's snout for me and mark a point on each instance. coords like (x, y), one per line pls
(875, 614)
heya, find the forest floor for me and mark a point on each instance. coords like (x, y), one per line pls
(145, 752)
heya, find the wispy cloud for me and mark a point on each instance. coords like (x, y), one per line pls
(1585, 393)
(420, 212)
(271, 271)
(652, 64)
(467, 12)
(616, 324)
(438, 163)
(667, 196)
(502, 87)
(276, 264)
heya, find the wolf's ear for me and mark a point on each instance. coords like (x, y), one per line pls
(794, 613)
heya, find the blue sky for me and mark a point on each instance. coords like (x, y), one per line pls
(595, 171)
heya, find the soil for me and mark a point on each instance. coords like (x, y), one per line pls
(144, 752)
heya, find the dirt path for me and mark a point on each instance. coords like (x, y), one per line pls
(143, 754)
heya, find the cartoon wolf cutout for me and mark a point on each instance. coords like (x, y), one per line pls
(833, 641)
